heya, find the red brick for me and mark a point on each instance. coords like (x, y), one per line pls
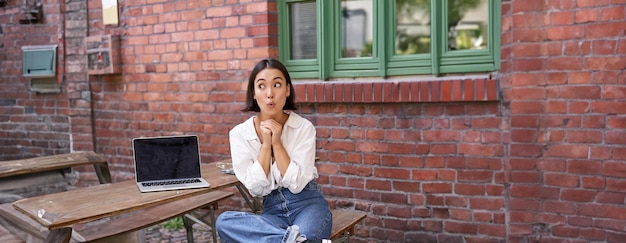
(526, 150)
(564, 63)
(603, 211)
(378, 185)
(524, 65)
(584, 137)
(612, 13)
(562, 207)
(525, 176)
(565, 32)
(487, 203)
(446, 91)
(565, 231)
(605, 63)
(519, 107)
(392, 173)
(587, 15)
(562, 18)
(584, 167)
(592, 3)
(436, 187)
(592, 234)
(460, 214)
(528, 94)
(529, 50)
(568, 151)
(435, 91)
(576, 195)
(604, 30)
(615, 137)
(521, 7)
(459, 227)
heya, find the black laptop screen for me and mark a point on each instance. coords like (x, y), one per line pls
(166, 158)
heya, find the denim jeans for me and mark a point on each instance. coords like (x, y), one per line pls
(286, 216)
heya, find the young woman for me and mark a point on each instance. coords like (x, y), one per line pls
(273, 155)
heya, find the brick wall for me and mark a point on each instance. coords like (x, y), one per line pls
(532, 152)
(31, 124)
(564, 84)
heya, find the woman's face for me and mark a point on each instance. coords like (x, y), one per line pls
(271, 91)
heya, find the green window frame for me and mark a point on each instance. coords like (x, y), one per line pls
(383, 61)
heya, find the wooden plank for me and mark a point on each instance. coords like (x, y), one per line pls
(344, 220)
(7, 237)
(21, 224)
(52, 162)
(81, 205)
(61, 235)
(147, 217)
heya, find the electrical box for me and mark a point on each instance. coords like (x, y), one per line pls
(39, 61)
(103, 54)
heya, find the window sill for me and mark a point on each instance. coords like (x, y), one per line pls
(446, 89)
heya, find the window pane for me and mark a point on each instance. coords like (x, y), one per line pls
(412, 27)
(303, 26)
(467, 24)
(356, 28)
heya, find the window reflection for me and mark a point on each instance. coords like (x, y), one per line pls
(467, 24)
(412, 27)
(303, 37)
(356, 28)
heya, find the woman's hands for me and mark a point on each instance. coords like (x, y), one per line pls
(271, 131)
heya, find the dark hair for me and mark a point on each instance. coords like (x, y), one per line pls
(251, 104)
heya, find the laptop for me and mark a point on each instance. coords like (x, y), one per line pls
(167, 163)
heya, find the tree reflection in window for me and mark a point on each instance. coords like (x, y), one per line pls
(412, 27)
(466, 27)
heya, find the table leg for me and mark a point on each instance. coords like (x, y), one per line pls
(61, 235)
(253, 203)
(189, 228)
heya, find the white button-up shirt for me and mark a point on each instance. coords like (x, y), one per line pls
(298, 139)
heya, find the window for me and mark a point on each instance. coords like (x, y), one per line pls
(363, 38)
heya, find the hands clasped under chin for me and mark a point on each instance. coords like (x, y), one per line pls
(271, 131)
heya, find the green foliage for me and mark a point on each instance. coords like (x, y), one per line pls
(366, 51)
(414, 44)
(174, 223)
(456, 8)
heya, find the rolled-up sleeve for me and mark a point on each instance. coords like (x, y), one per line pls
(301, 150)
(247, 169)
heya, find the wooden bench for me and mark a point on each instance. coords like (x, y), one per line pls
(343, 224)
(103, 229)
(13, 168)
(7, 237)
(57, 162)
(111, 229)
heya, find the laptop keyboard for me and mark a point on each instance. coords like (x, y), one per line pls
(171, 182)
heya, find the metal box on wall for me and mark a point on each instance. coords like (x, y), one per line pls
(39, 61)
(103, 54)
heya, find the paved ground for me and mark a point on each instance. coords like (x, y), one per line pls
(159, 234)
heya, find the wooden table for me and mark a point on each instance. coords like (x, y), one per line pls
(59, 211)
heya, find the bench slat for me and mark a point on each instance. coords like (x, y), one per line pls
(148, 217)
(7, 237)
(344, 220)
(56, 162)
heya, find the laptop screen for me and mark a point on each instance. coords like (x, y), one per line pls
(163, 158)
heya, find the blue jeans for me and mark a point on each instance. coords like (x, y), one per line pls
(286, 216)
